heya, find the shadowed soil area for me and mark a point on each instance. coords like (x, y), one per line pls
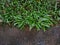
(14, 36)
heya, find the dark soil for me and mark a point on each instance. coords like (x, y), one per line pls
(14, 36)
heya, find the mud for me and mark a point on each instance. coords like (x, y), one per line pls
(14, 36)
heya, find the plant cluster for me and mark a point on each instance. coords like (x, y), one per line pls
(40, 14)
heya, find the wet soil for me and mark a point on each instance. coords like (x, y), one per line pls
(14, 36)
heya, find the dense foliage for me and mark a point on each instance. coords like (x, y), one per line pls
(36, 13)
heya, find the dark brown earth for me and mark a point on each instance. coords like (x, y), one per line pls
(14, 36)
